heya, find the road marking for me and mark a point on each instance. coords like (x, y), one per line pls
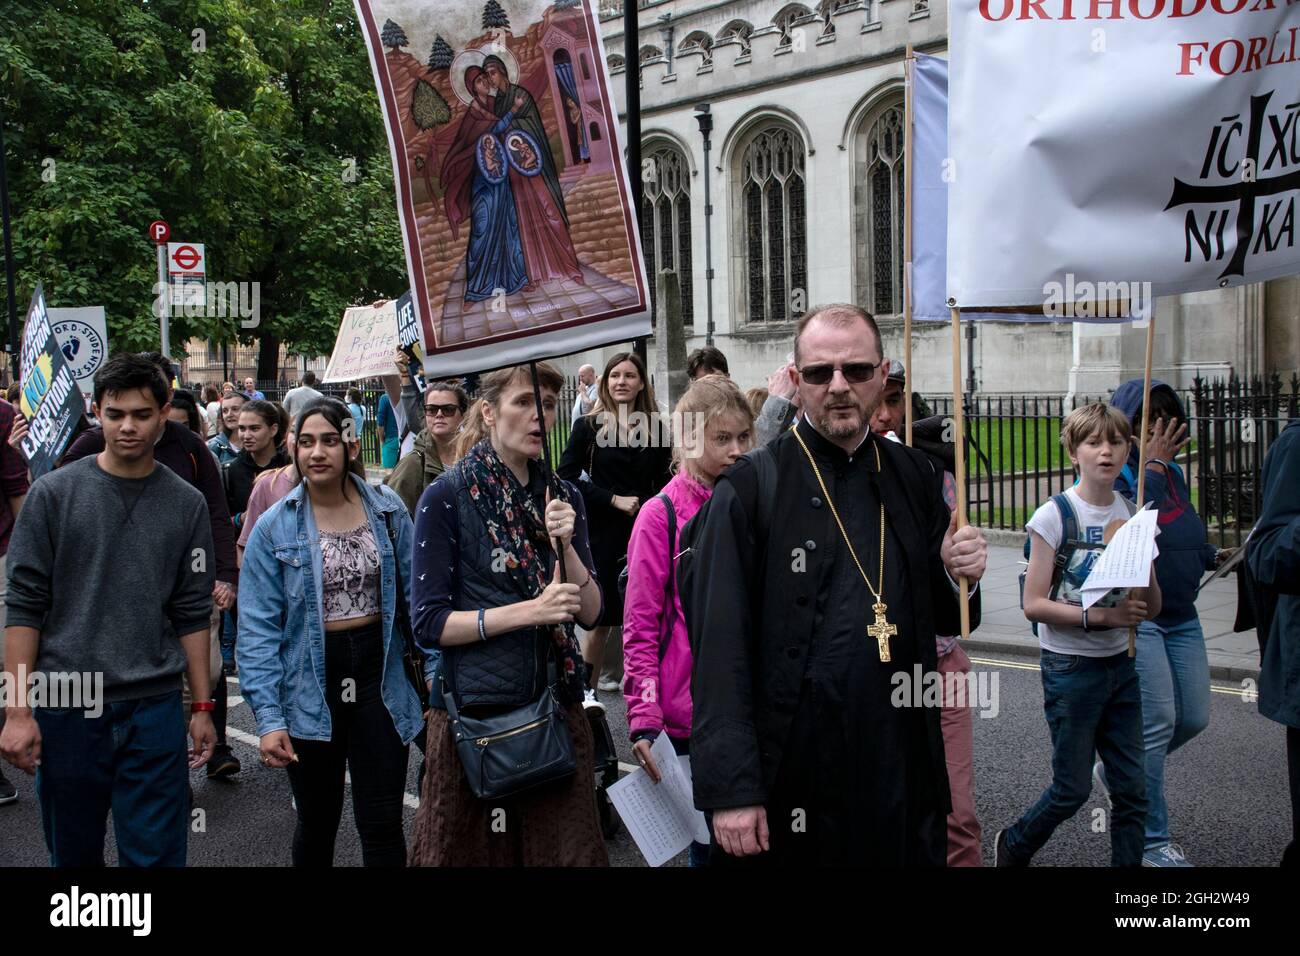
(234, 733)
(998, 663)
(1228, 689)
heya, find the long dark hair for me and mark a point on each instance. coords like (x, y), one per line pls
(336, 414)
(605, 412)
(185, 401)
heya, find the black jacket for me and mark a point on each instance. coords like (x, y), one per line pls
(239, 475)
(752, 618)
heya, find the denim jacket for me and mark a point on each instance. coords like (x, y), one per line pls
(281, 647)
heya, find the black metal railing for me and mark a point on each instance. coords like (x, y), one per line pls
(370, 395)
(1015, 460)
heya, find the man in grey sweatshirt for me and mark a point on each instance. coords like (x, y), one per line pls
(110, 560)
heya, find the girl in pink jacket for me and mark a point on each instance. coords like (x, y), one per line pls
(713, 427)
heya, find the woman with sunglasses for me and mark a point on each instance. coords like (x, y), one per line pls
(445, 404)
(620, 456)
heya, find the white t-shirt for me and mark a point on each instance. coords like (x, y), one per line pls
(1092, 522)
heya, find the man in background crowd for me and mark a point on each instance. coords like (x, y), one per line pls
(296, 399)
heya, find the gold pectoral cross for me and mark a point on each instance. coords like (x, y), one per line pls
(882, 630)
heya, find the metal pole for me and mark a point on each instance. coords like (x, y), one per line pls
(708, 244)
(632, 78)
(9, 258)
(546, 460)
(970, 358)
(165, 298)
(909, 62)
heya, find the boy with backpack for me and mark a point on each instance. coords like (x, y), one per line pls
(1090, 686)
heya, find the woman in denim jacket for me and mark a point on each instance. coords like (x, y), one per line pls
(320, 659)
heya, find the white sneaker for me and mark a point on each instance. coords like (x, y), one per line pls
(609, 685)
(1171, 854)
(1099, 776)
(589, 700)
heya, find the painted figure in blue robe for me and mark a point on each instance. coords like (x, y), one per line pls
(477, 184)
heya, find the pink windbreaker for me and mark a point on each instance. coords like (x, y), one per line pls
(658, 691)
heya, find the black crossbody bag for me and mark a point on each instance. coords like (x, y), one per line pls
(507, 753)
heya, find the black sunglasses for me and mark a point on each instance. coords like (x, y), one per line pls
(855, 373)
(446, 410)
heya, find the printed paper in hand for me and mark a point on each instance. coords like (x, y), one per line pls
(660, 816)
(1126, 562)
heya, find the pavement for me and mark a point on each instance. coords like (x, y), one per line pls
(1003, 628)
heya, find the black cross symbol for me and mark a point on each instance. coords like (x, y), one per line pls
(1243, 193)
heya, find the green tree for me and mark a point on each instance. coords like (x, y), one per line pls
(392, 36)
(260, 136)
(494, 17)
(441, 55)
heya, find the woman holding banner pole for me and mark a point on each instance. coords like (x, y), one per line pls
(488, 597)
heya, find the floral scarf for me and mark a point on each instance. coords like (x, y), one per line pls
(515, 525)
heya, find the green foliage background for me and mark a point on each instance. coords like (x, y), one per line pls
(113, 117)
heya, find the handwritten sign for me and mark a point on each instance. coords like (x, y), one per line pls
(366, 342)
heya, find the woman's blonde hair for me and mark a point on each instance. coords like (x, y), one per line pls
(475, 429)
(709, 397)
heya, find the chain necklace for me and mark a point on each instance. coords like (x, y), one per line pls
(881, 630)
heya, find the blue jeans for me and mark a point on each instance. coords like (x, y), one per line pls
(130, 759)
(1092, 704)
(699, 852)
(1175, 676)
(228, 619)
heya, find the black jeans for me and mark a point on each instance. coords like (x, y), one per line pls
(365, 742)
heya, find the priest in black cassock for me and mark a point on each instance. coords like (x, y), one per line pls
(800, 620)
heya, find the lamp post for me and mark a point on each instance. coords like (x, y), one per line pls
(12, 336)
(704, 117)
(632, 79)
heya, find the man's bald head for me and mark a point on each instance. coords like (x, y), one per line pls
(840, 314)
(587, 374)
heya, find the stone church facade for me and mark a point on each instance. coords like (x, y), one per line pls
(806, 168)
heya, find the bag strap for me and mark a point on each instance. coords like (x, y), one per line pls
(1065, 547)
(670, 586)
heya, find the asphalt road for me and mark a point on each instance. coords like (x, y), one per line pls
(1227, 790)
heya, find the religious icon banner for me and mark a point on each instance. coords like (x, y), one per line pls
(520, 234)
(1099, 145)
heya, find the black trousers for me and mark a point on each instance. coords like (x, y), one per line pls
(364, 742)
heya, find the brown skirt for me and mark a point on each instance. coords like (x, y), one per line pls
(555, 825)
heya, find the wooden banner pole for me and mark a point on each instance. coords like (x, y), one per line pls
(959, 449)
(1142, 443)
(909, 64)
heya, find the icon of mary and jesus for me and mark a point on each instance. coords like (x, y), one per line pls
(500, 177)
